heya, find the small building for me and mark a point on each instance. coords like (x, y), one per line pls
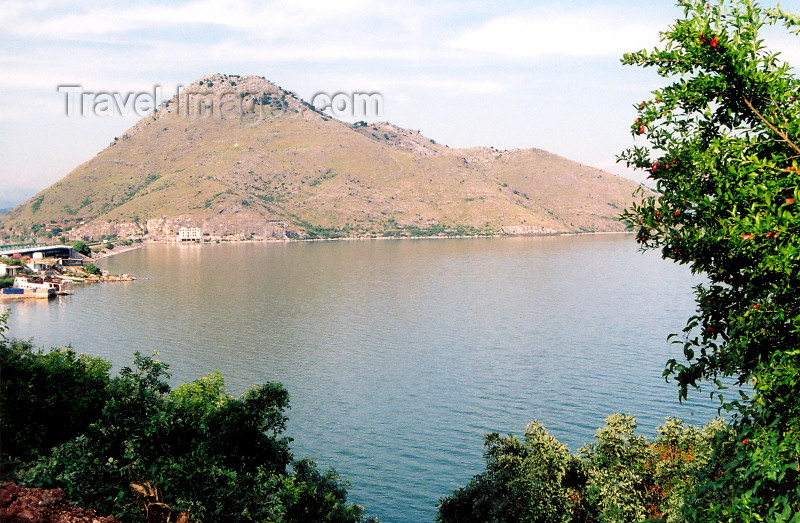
(189, 234)
(9, 271)
(40, 265)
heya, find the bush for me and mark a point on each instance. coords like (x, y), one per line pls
(47, 398)
(93, 269)
(531, 480)
(619, 478)
(13, 262)
(221, 458)
(81, 248)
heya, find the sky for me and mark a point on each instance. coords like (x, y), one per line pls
(507, 74)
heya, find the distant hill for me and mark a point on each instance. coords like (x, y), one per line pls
(241, 157)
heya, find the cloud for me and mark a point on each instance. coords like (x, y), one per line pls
(550, 32)
(267, 19)
(456, 86)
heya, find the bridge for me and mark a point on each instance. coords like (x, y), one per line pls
(48, 251)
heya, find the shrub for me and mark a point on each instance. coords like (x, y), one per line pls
(221, 458)
(47, 398)
(530, 480)
(619, 478)
(81, 248)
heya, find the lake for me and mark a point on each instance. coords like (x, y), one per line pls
(400, 355)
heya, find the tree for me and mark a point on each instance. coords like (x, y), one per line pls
(91, 268)
(46, 398)
(723, 150)
(105, 440)
(526, 481)
(219, 457)
(618, 478)
(81, 248)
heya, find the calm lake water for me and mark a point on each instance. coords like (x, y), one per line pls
(400, 355)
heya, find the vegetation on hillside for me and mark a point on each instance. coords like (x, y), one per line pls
(723, 147)
(66, 422)
(81, 248)
(305, 175)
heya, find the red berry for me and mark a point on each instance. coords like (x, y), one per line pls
(789, 200)
(745, 441)
(714, 42)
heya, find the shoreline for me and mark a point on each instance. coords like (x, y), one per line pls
(119, 250)
(144, 243)
(125, 248)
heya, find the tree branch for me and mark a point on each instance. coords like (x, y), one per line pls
(784, 137)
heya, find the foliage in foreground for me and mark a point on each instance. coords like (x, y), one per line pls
(723, 148)
(620, 477)
(67, 423)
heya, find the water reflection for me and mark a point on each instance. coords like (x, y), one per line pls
(400, 355)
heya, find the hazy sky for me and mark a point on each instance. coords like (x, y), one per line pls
(504, 74)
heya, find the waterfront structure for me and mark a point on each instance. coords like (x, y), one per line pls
(190, 234)
(8, 271)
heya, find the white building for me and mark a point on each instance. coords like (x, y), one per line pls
(189, 234)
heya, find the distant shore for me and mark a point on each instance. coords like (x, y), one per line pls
(126, 248)
(117, 250)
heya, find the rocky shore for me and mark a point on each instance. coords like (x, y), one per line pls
(33, 505)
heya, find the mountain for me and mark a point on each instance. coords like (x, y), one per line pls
(241, 157)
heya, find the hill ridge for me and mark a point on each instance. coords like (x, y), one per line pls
(240, 157)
